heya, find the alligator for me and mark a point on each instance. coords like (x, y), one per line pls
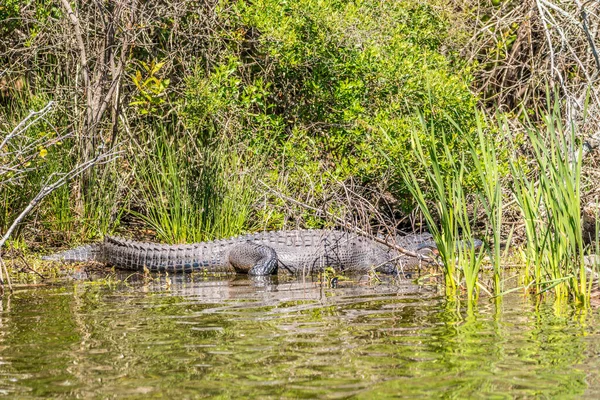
(265, 253)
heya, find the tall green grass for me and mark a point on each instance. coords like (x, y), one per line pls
(104, 204)
(487, 168)
(547, 190)
(594, 249)
(447, 209)
(190, 192)
(59, 215)
(550, 202)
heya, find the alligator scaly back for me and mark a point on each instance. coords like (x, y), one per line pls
(294, 251)
(133, 255)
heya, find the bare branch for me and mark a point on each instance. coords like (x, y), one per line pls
(26, 123)
(80, 43)
(47, 189)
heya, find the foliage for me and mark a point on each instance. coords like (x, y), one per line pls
(28, 18)
(151, 89)
(551, 208)
(488, 171)
(317, 88)
(214, 106)
(327, 85)
(190, 193)
(448, 214)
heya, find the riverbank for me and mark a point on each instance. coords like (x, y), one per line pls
(266, 116)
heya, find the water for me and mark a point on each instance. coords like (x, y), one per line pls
(211, 337)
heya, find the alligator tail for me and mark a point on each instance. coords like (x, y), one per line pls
(89, 252)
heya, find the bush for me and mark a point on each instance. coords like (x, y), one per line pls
(334, 86)
(325, 91)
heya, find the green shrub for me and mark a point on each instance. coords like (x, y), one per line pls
(325, 91)
(331, 85)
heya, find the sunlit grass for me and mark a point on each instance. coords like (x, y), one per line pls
(550, 202)
(190, 200)
(488, 171)
(446, 209)
(547, 192)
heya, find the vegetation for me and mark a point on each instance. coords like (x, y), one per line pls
(188, 121)
(551, 207)
(446, 210)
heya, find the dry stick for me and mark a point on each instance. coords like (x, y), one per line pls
(5, 271)
(589, 38)
(346, 225)
(94, 105)
(81, 45)
(46, 190)
(2, 277)
(29, 268)
(545, 23)
(21, 127)
(85, 71)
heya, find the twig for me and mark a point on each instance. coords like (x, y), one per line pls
(21, 126)
(349, 226)
(589, 38)
(46, 190)
(80, 43)
(5, 271)
(29, 268)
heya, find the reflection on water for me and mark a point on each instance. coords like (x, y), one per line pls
(235, 337)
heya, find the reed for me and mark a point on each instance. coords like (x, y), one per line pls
(487, 168)
(446, 209)
(104, 205)
(550, 202)
(190, 199)
(166, 197)
(228, 188)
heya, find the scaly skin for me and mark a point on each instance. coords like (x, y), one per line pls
(294, 251)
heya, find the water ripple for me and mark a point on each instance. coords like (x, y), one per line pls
(233, 338)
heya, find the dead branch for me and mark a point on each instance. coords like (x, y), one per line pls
(26, 123)
(347, 225)
(53, 182)
(49, 188)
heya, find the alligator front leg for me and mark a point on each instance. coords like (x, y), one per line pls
(253, 259)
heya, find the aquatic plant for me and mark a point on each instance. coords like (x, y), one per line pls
(487, 169)
(446, 208)
(550, 202)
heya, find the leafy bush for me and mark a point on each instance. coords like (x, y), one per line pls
(325, 91)
(331, 86)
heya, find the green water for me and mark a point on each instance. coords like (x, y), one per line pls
(238, 338)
